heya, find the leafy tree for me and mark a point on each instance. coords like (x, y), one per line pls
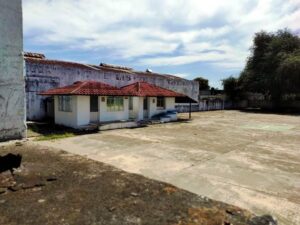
(203, 83)
(231, 87)
(273, 67)
(288, 74)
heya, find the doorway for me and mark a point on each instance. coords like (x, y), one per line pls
(146, 108)
(94, 109)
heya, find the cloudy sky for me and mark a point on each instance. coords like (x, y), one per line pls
(189, 38)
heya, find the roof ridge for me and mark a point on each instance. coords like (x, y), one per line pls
(129, 84)
(80, 86)
(98, 67)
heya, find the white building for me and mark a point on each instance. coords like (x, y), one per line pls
(91, 102)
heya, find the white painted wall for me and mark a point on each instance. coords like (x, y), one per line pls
(135, 108)
(153, 110)
(140, 108)
(170, 103)
(12, 84)
(113, 116)
(81, 114)
(68, 119)
(94, 117)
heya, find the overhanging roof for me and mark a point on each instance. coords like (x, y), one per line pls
(144, 89)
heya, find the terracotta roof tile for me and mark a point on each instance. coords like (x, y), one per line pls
(142, 89)
(145, 89)
(34, 55)
(86, 88)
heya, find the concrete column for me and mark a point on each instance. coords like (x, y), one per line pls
(12, 84)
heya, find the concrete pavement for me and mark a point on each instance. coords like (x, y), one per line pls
(247, 159)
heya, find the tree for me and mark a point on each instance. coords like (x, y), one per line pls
(231, 87)
(288, 74)
(273, 67)
(203, 83)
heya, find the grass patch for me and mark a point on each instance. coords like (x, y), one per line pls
(49, 137)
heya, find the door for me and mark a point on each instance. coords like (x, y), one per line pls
(146, 108)
(132, 114)
(94, 109)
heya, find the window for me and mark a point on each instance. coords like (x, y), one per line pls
(65, 103)
(115, 104)
(93, 103)
(160, 103)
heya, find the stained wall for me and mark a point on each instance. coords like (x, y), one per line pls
(12, 91)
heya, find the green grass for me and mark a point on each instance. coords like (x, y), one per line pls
(49, 137)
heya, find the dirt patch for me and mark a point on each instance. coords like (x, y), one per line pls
(54, 187)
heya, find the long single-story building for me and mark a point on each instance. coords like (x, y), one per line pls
(43, 74)
(92, 102)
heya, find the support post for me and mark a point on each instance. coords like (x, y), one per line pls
(190, 113)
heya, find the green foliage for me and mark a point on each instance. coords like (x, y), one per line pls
(203, 83)
(273, 68)
(231, 87)
(288, 73)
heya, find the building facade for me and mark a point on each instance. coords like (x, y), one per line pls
(43, 74)
(85, 103)
(12, 85)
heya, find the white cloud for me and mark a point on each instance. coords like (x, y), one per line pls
(184, 31)
(183, 75)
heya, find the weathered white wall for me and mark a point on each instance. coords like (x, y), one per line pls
(113, 116)
(134, 113)
(170, 103)
(42, 76)
(12, 92)
(81, 115)
(94, 117)
(153, 110)
(203, 105)
(141, 108)
(68, 119)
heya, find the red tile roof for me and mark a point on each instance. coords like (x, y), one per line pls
(145, 89)
(86, 88)
(142, 89)
(34, 55)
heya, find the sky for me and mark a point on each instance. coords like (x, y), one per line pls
(187, 38)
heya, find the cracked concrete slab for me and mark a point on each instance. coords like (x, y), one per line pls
(218, 155)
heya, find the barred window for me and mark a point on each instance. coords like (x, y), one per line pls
(65, 103)
(160, 103)
(115, 104)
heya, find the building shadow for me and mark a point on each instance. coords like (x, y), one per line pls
(47, 128)
(291, 112)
